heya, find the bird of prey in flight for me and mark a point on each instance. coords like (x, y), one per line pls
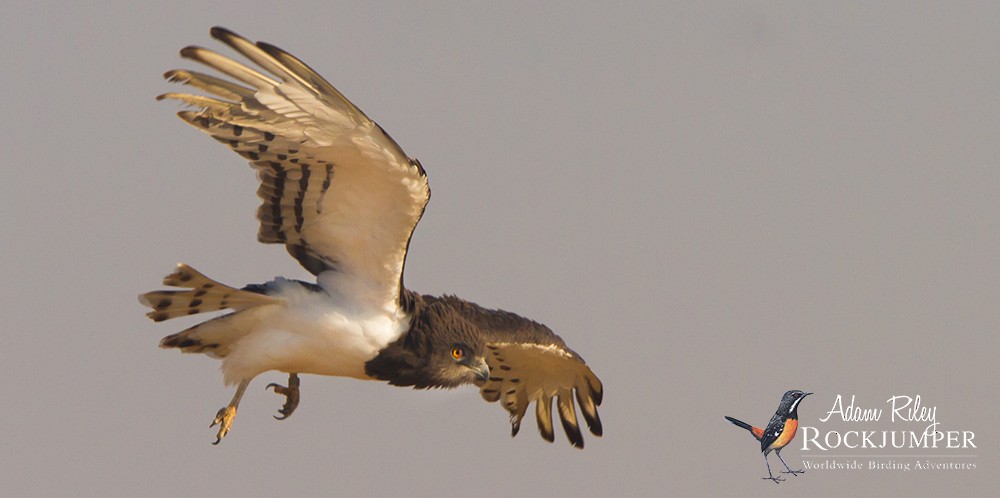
(344, 198)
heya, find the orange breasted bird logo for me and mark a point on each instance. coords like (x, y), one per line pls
(779, 431)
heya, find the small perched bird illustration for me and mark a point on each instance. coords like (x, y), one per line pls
(779, 431)
(344, 199)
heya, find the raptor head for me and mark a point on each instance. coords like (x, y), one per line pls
(455, 363)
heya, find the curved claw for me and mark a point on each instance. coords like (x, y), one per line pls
(224, 419)
(291, 394)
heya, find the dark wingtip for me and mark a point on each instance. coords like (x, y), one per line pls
(543, 415)
(188, 51)
(220, 33)
(589, 413)
(573, 433)
(567, 415)
(596, 428)
(547, 435)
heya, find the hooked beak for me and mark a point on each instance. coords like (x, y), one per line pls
(481, 369)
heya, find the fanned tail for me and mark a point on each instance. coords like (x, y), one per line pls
(205, 295)
(213, 337)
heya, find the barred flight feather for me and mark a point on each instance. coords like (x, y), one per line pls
(302, 136)
(524, 373)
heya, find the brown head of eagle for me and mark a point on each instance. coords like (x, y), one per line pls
(344, 199)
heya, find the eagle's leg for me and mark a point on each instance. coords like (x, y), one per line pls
(224, 419)
(291, 393)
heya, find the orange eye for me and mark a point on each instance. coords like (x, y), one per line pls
(457, 353)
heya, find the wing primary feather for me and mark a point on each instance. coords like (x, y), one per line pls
(210, 84)
(228, 66)
(260, 57)
(303, 71)
(516, 403)
(196, 119)
(567, 414)
(543, 412)
(515, 425)
(198, 101)
(596, 389)
(589, 411)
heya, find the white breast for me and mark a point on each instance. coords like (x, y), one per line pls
(312, 333)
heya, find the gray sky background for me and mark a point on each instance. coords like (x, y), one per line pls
(712, 203)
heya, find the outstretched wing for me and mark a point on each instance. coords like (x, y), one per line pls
(522, 373)
(335, 188)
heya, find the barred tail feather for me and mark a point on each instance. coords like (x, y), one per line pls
(193, 340)
(213, 337)
(204, 295)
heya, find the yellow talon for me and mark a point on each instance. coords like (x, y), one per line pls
(224, 419)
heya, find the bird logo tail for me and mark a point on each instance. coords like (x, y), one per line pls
(740, 423)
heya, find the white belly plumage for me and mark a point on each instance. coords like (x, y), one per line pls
(309, 333)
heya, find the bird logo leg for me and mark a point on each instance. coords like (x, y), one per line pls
(224, 419)
(790, 471)
(291, 393)
(769, 474)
